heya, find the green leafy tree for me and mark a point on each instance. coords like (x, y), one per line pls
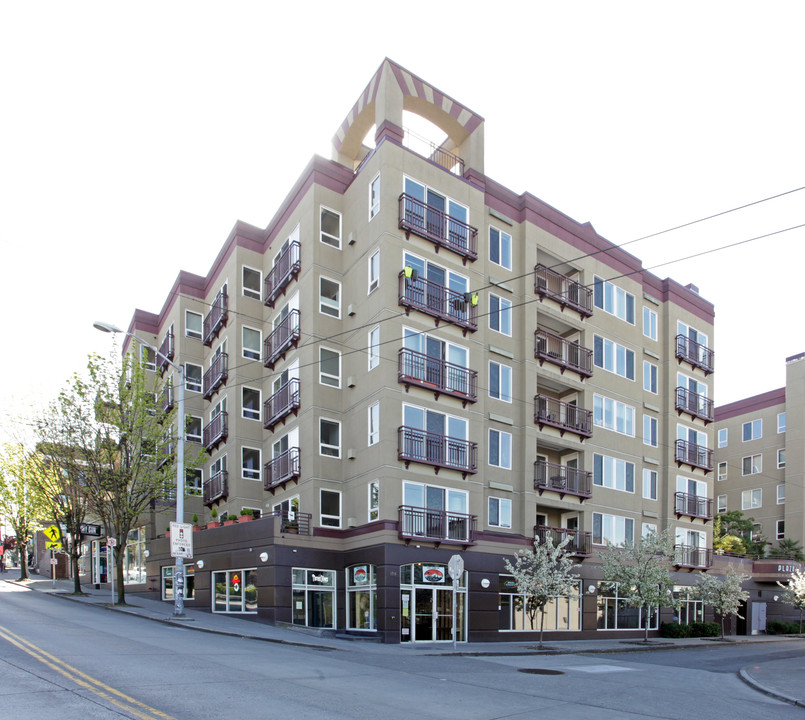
(22, 505)
(732, 532)
(641, 573)
(543, 574)
(794, 593)
(723, 594)
(790, 548)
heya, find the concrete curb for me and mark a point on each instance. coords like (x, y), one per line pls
(743, 673)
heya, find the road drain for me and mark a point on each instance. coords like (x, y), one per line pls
(540, 671)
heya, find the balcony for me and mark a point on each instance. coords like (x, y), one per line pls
(439, 376)
(286, 268)
(565, 291)
(281, 404)
(565, 417)
(166, 399)
(278, 471)
(562, 479)
(440, 451)
(216, 488)
(697, 456)
(694, 506)
(580, 545)
(436, 526)
(216, 431)
(566, 355)
(696, 405)
(285, 335)
(693, 353)
(297, 523)
(691, 557)
(437, 301)
(166, 351)
(437, 226)
(216, 318)
(433, 152)
(216, 375)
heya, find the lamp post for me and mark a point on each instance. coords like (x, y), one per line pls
(178, 589)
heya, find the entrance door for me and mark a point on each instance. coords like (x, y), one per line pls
(758, 617)
(433, 618)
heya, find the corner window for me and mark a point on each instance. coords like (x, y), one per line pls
(330, 505)
(751, 499)
(374, 424)
(500, 449)
(374, 271)
(250, 463)
(752, 430)
(192, 324)
(781, 422)
(251, 283)
(500, 381)
(722, 437)
(374, 500)
(781, 458)
(329, 297)
(500, 248)
(500, 512)
(330, 228)
(649, 323)
(374, 196)
(752, 464)
(329, 367)
(252, 340)
(192, 377)
(374, 348)
(330, 438)
(500, 312)
(250, 403)
(781, 494)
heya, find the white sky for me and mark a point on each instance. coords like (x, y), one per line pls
(134, 135)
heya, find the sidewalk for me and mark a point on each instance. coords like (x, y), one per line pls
(782, 679)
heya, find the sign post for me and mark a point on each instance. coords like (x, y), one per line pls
(110, 562)
(455, 567)
(181, 549)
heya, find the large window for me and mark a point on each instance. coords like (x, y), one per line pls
(330, 508)
(691, 610)
(752, 464)
(613, 415)
(134, 557)
(251, 283)
(192, 324)
(313, 603)
(329, 438)
(235, 591)
(193, 429)
(252, 342)
(193, 481)
(614, 300)
(250, 463)
(329, 367)
(500, 248)
(329, 297)
(752, 430)
(192, 377)
(751, 499)
(427, 365)
(500, 381)
(649, 323)
(189, 582)
(613, 357)
(435, 511)
(500, 315)
(330, 227)
(613, 473)
(615, 614)
(561, 613)
(500, 512)
(500, 449)
(612, 529)
(361, 597)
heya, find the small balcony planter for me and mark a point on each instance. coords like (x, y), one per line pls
(213, 524)
(246, 516)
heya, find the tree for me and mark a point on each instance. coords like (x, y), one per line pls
(21, 503)
(542, 574)
(729, 527)
(790, 548)
(641, 573)
(794, 593)
(723, 594)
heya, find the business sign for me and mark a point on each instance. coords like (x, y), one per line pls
(182, 540)
(360, 575)
(774, 570)
(88, 529)
(433, 573)
(235, 582)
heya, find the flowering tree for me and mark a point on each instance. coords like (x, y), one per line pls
(640, 572)
(794, 593)
(723, 594)
(541, 575)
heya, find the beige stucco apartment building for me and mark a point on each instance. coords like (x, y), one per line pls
(413, 362)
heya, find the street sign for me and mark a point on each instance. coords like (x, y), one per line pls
(111, 542)
(182, 540)
(53, 535)
(455, 567)
(89, 529)
(50, 545)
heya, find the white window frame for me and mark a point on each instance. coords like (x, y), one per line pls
(613, 357)
(191, 487)
(781, 459)
(649, 323)
(323, 446)
(755, 428)
(723, 437)
(373, 500)
(243, 409)
(504, 247)
(651, 431)
(651, 377)
(613, 474)
(373, 347)
(188, 332)
(331, 241)
(256, 353)
(373, 426)
(323, 376)
(247, 291)
(374, 196)
(781, 494)
(648, 529)
(504, 442)
(504, 509)
(613, 415)
(194, 438)
(722, 466)
(756, 469)
(373, 271)
(618, 531)
(194, 388)
(148, 358)
(650, 482)
(614, 300)
(752, 499)
(502, 317)
(721, 504)
(327, 520)
(779, 530)
(781, 422)
(254, 473)
(504, 392)
(325, 302)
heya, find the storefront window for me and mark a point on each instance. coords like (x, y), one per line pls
(168, 572)
(426, 604)
(361, 597)
(615, 614)
(561, 613)
(134, 558)
(691, 610)
(235, 591)
(313, 598)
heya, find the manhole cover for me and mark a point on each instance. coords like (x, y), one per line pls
(540, 671)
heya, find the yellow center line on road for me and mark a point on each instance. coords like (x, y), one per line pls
(110, 694)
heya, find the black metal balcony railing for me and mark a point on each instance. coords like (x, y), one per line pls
(216, 431)
(433, 152)
(564, 290)
(581, 542)
(696, 405)
(216, 488)
(566, 417)
(216, 375)
(216, 318)
(286, 466)
(562, 479)
(440, 376)
(286, 268)
(697, 456)
(695, 506)
(567, 355)
(297, 523)
(285, 335)
(281, 404)
(437, 226)
(438, 301)
(694, 353)
(166, 351)
(436, 525)
(690, 556)
(440, 451)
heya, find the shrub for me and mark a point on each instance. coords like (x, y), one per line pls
(674, 630)
(247, 511)
(780, 627)
(705, 629)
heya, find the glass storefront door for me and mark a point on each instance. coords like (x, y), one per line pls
(426, 600)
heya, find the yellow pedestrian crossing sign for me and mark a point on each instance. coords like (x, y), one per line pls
(53, 535)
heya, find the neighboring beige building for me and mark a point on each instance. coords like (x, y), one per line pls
(760, 457)
(413, 362)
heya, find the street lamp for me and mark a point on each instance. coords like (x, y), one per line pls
(178, 590)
